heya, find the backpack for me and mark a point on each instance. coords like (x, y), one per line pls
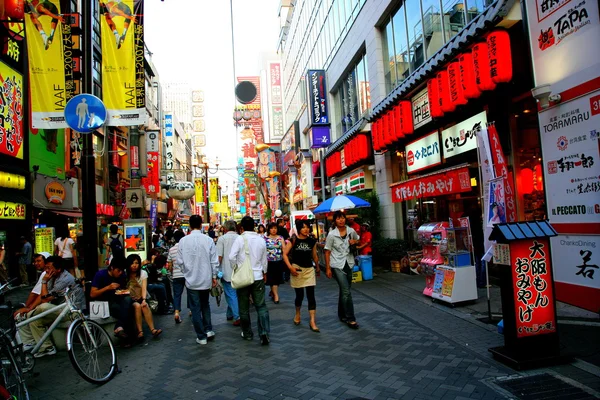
(116, 247)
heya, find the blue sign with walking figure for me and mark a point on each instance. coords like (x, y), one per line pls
(85, 113)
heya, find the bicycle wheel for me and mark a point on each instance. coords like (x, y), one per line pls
(91, 352)
(11, 377)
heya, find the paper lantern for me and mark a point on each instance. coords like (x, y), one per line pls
(14, 9)
(525, 182)
(393, 127)
(457, 94)
(481, 62)
(407, 119)
(387, 139)
(467, 76)
(374, 137)
(500, 56)
(433, 96)
(444, 92)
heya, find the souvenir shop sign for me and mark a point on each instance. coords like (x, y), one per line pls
(532, 279)
(461, 138)
(423, 153)
(449, 182)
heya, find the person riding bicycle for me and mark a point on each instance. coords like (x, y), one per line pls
(56, 281)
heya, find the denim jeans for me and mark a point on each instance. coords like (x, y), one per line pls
(178, 285)
(158, 290)
(198, 301)
(257, 290)
(233, 310)
(345, 305)
(121, 310)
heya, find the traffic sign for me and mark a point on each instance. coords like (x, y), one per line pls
(85, 113)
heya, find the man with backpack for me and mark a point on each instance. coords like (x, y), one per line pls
(116, 244)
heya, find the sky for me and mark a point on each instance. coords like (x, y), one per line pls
(190, 41)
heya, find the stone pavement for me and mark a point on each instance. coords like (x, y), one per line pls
(406, 348)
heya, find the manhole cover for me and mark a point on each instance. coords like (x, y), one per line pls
(542, 386)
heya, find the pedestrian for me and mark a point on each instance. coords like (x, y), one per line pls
(64, 247)
(339, 262)
(282, 231)
(258, 258)
(224, 244)
(176, 275)
(197, 257)
(261, 230)
(137, 284)
(24, 260)
(116, 244)
(275, 245)
(300, 256)
(3, 269)
(366, 238)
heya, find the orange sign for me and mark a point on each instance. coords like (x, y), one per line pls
(55, 192)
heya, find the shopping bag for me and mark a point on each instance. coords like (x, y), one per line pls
(242, 276)
(99, 309)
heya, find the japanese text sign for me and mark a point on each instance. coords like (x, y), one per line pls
(454, 181)
(423, 153)
(11, 102)
(532, 284)
(12, 210)
(420, 108)
(317, 97)
(321, 137)
(461, 137)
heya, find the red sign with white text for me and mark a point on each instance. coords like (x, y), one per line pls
(151, 183)
(532, 279)
(455, 181)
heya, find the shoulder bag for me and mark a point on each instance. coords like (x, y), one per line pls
(242, 276)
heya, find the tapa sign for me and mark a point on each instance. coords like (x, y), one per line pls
(423, 153)
(317, 97)
(461, 138)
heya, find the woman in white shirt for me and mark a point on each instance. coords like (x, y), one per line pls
(63, 247)
(137, 284)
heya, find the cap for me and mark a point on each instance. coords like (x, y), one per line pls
(45, 254)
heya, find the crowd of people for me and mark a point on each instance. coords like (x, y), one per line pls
(199, 263)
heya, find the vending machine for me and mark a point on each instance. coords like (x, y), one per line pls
(432, 237)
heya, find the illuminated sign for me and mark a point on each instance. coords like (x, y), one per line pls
(12, 210)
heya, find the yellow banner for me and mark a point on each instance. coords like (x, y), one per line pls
(214, 190)
(199, 188)
(221, 208)
(12, 210)
(49, 45)
(123, 81)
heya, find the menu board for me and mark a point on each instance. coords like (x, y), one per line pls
(44, 240)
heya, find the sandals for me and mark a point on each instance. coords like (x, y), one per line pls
(140, 335)
(121, 334)
(297, 322)
(156, 332)
(352, 324)
(178, 319)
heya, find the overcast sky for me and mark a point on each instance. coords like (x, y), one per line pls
(191, 42)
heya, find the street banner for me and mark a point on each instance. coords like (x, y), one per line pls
(487, 173)
(153, 213)
(199, 188)
(501, 170)
(49, 48)
(11, 125)
(47, 150)
(151, 182)
(214, 190)
(123, 87)
(496, 205)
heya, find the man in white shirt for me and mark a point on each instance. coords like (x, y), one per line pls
(224, 244)
(34, 299)
(258, 256)
(197, 258)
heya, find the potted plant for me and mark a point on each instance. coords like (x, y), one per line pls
(389, 251)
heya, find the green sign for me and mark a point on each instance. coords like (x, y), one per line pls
(47, 150)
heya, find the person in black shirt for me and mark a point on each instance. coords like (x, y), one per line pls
(300, 256)
(281, 231)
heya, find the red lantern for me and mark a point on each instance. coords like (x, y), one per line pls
(457, 94)
(393, 128)
(388, 129)
(375, 134)
(525, 181)
(433, 97)
(444, 92)
(407, 119)
(498, 43)
(467, 76)
(481, 62)
(14, 9)
(398, 121)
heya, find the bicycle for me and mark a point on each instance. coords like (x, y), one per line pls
(88, 344)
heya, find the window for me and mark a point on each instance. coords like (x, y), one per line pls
(388, 56)
(401, 46)
(354, 95)
(476, 7)
(415, 33)
(432, 27)
(362, 79)
(454, 17)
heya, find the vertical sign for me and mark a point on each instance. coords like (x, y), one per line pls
(276, 100)
(50, 63)
(317, 97)
(199, 189)
(214, 190)
(153, 212)
(11, 112)
(169, 145)
(123, 79)
(532, 279)
(420, 108)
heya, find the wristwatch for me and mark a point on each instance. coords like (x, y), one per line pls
(44, 282)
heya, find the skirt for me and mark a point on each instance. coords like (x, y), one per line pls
(306, 277)
(275, 273)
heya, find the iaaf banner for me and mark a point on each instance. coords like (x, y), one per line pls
(50, 63)
(453, 181)
(123, 88)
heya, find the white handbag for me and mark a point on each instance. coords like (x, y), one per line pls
(243, 276)
(99, 309)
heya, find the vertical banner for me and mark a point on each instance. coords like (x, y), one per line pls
(214, 190)
(483, 150)
(169, 143)
(123, 81)
(501, 170)
(317, 97)
(11, 112)
(153, 213)
(199, 188)
(496, 205)
(50, 63)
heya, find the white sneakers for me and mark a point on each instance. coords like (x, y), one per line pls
(50, 351)
(201, 341)
(209, 336)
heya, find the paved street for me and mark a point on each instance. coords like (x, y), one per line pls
(406, 348)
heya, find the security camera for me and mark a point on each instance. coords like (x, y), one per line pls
(36, 168)
(542, 94)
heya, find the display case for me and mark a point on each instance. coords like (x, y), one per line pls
(432, 237)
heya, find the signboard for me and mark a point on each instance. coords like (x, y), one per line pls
(52, 193)
(501, 254)
(199, 140)
(85, 113)
(317, 97)
(169, 146)
(44, 240)
(152, 141)
(135, 238)
(532, 286)
(440, 184)
(562, 33)
(197, 96)
(353, 182)
(423, 153)
(47, 151)
(288, 145)
(321, 137)
(420, 108)
(11, 125)
(134, 198)
(570, 147)
(576, 260)
(12, 210)
(496, 206)
(151, 182)
(461, 137)
(198, 125)
(153, 213)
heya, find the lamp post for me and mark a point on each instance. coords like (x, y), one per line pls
(206, 183)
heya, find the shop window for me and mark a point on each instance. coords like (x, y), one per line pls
(454, 17)
(354, 97)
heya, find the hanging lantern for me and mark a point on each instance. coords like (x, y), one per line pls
(14, 9)
(499, 53)
(407, 119)
(525, 181)
(247, 115)
(393, 127)
(433, 97)
(374, 137)
(237, 115)
(481, 62)
(399, 121)
(444, 92)
(457, 94)
(538, 177)
(387, 138)
(467, 76)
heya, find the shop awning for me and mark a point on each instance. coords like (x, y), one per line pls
(350, 133)
(71, 214)
(448, 181)
(469, 34)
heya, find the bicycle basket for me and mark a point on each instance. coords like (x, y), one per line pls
(7, 321)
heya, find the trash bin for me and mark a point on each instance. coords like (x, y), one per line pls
(365, 264)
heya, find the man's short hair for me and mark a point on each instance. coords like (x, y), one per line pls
(36, 255)
(114, 229)
(247, 223)
(178, 235)
(230, 226)
(195, 222)
(56, 261)
(118, 263)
